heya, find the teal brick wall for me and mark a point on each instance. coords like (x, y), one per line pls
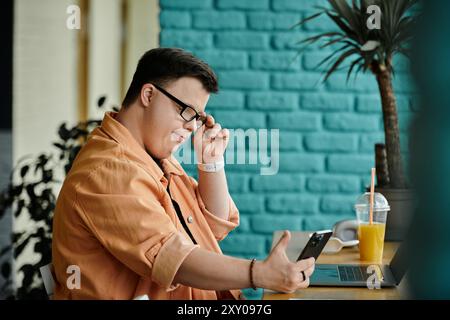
(327, 130)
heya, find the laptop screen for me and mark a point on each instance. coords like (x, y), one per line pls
(399, 263)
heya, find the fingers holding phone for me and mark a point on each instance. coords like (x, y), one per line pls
(306, 269)
(278, 273)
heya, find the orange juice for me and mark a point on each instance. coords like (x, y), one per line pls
(371, 241)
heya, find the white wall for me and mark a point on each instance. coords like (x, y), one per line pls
(45, 78)
(105, 35)
(142, 34)
(44, 82)
(45, 63)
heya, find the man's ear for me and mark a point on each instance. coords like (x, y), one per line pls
(146, 95)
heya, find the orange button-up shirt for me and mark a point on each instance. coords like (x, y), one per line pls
(115, 220)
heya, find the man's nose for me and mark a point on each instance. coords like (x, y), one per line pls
(191, 125)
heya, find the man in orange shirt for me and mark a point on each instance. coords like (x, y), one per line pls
(133, 223)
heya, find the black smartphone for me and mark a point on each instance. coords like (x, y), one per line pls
(315, 245)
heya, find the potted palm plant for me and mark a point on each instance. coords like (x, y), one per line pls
(372, 50)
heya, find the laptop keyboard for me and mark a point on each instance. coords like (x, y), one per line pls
(352, 273)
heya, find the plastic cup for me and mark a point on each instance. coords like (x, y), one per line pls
(371, 233)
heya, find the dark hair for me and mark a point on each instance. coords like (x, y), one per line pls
(162, 65)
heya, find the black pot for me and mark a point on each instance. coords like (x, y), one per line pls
(402, 203)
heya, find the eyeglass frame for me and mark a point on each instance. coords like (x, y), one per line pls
(183, 105)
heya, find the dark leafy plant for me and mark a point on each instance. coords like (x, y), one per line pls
(31, 193)
(372, 50)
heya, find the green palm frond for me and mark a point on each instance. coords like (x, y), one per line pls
(350, 17)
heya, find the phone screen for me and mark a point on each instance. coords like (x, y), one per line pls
(315, 245)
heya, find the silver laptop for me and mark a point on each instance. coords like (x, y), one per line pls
(347, 275)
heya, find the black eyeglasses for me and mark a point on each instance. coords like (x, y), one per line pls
(187, 112)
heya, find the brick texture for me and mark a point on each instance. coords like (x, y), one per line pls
(327, 130)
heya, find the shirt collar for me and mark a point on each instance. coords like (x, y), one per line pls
(122, 135)
(172, 166)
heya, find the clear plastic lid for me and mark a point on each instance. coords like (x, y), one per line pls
(379, 202)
